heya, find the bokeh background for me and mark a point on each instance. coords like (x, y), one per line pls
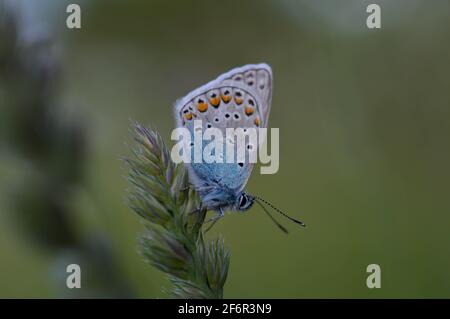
(364, 124)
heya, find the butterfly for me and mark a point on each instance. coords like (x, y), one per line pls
(240, 98)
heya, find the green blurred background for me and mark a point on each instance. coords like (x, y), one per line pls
(364, 125)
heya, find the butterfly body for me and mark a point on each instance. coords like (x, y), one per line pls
(240, 98)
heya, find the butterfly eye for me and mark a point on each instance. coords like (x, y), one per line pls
(245, 202)
(242, 201)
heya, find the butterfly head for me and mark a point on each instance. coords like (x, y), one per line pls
(244, 202)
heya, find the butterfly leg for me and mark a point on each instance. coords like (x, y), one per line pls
(214, 219)
(188, 187)
(197, 189)
(196, 210)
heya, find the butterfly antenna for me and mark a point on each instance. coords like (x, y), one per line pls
(273, 219)
(279, 211)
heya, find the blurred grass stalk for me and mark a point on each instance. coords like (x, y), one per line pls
(173, 241)
(50, 152)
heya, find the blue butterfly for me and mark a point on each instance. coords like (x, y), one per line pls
(240, 98)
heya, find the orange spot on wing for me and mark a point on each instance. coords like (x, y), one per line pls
(188, 116)
(226, 98)
(202, 106)
(215, 101)
(257, 121)
(238, 100)
(249, 110)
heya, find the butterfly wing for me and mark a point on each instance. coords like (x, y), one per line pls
(255, 78)
(238, 98)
